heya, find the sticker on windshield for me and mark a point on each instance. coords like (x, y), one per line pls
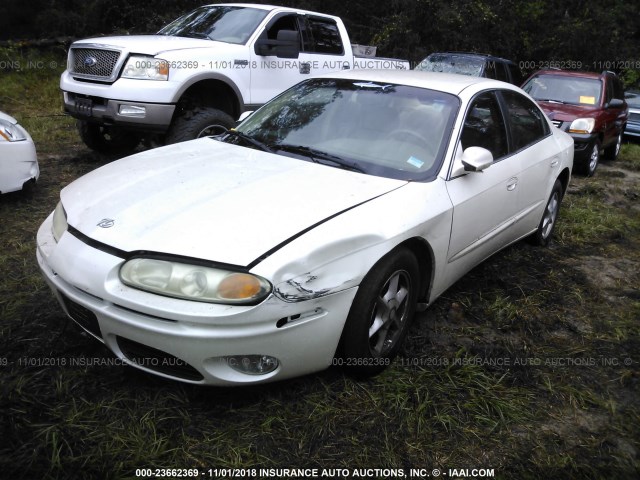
(588, 100)
(416, 162)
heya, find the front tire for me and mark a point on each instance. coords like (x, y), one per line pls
(542, 236)
(380, 314)
(106, 139)
(197, 123)
(588, 168)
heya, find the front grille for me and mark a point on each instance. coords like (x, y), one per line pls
(157, 360)
(94, 62)
(82, 316)
(556, 123)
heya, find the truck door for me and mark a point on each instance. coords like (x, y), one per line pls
(320, 50)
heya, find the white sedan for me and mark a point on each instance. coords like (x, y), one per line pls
(18, 160)
(309, 235)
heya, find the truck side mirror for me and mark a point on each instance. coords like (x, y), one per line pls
(287, 45)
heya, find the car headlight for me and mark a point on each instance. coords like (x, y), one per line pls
(582, 125)
(194, 282)
(146, 68)
(10, 132)
(59, 224)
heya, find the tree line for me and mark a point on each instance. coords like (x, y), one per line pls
(578, 34)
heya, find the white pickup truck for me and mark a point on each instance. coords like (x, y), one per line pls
(198, 74)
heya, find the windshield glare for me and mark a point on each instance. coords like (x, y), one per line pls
(459, 64)
(220, 23)
(557, 88)
(388, 130)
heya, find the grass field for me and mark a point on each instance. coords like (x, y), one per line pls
(527, 367)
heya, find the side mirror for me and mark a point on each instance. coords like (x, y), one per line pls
(287, 45)
(616, 103)
(476, 159)
(244, 116)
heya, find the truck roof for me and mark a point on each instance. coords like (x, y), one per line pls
(269, 8)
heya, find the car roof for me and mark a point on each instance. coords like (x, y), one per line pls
(445, 82)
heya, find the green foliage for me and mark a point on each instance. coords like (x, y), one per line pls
(598, 35)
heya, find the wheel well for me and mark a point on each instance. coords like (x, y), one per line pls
(210, 93)
(423, 252)
(564, 179)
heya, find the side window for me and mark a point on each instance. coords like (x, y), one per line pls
(526, 122)
(618, 89)
(287, 22)
(490, 69)
(325, 37)
(484, 126)
(501, 72)
(608, 89)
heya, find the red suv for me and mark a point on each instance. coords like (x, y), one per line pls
(588, 106)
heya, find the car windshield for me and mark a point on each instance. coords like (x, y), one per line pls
(446, 63)
(564, 89)
(230, 24)
(377, 128)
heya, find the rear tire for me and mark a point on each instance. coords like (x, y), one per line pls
(106, 139)
(380, 314)
(542, 236)
(197, 123)
(612, 152)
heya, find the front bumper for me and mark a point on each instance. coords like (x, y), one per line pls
(183, 340)
(153, 117)
(583, 146)
(18, 165)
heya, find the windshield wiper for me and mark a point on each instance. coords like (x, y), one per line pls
(249, 139)
(318, 156)
(551, 100)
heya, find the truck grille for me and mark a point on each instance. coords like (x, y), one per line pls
(93, 63)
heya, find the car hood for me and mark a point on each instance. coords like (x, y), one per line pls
(210, 200)
(566, 112)
(148, 44)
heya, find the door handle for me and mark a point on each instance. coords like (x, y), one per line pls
(513, 182)
(305, 68)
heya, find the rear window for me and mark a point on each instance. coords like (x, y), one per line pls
(449, 63)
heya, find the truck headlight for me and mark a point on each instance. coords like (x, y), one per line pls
(194, 282)
(146, 68)
(582, 125)
(10, 132)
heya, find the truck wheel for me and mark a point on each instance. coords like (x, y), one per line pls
(197, 123)
(106, 139)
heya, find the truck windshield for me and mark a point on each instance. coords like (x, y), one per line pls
(564, 89)
(376, 128)
(448, 63)
(230, 24)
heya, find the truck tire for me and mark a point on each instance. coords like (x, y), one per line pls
(106, 139)
(197, 123)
